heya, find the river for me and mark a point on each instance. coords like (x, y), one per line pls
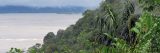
(23, 30)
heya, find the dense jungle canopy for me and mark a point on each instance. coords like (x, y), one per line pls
(116, 26)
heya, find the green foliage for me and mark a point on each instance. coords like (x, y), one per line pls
(147, 29)
(109, 29)
(15, 50)
(144, 29)
(49, 37)
(35, 49)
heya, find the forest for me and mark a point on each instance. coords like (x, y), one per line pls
(116, 26)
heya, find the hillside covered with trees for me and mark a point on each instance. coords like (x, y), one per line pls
(117, 26)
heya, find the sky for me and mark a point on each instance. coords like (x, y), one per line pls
(51, 3)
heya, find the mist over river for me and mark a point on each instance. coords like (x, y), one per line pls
(23, 30)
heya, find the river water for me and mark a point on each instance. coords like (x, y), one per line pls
(23, 30)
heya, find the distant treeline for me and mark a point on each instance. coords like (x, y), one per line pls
(27, 9)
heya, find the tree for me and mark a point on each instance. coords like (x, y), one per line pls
(49, 38)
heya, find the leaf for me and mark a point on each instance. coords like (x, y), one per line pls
(108, 35)
(138, 24)
(104, 50)
(135, 30)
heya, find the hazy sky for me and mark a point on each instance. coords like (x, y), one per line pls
(44, 3)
